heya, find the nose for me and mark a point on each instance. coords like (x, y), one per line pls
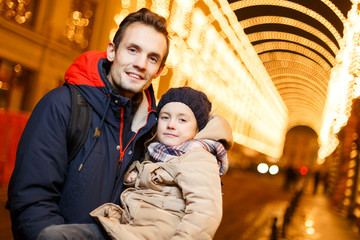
(140, 62)
(171, 124)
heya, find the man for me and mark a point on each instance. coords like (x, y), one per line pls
(48, 189)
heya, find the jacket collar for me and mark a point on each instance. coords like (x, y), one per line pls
(88, 74)
(218, 129)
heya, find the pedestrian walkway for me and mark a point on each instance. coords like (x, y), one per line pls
(315, 219)
(253, 201)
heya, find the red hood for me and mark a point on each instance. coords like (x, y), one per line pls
(84, 70)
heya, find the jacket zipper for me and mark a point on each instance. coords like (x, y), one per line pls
(122, 151)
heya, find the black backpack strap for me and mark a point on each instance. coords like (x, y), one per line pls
(80, 122)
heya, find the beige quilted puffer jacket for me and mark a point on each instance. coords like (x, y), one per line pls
(179, 199)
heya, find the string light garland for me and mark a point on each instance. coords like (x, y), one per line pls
(267, 46)
(342, 85)
(290, 22)
(320, 80)
(291, 5)
(275, 36)
(296, 58)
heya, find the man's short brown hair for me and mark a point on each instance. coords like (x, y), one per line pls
(147, 17)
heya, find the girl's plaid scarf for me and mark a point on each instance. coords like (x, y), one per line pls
(161, 153)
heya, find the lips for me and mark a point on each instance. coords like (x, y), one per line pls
(169, 135)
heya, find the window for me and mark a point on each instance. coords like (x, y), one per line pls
(15, 86)
(19, 11)
(79, 23)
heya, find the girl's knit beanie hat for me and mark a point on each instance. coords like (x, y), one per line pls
(197, 101)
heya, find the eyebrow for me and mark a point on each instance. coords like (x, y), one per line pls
(177, 114)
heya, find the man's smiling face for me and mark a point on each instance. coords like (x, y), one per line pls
(137, 60)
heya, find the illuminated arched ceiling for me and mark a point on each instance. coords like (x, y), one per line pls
(297, 40)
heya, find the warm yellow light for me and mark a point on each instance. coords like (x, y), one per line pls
(119, 17)
(320, 161)
(309, 223)
(4, 85)
(357, 212)
(310, 230)
(249, 22)
(112, 33)
(351, 173)
(294, 6)
(348, 193)
(76, 15)
(342, 85)
(125, 3)
(352, 163)
(140, 4)
(161, 7)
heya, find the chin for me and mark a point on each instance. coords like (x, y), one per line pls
(171, 144)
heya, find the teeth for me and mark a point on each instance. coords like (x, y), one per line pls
(134, 75)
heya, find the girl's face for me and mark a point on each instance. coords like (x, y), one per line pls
(176, 125)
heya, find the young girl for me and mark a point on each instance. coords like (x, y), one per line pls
(175, 193)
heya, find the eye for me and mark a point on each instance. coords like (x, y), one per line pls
(154, 59)
(132, 50)
(164, 117)
(182, 120)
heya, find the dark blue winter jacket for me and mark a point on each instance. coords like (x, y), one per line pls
(45, 188)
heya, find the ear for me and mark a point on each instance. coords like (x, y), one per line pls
(110, 52)
(159, 71)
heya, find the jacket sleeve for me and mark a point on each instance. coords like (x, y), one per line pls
(198, 176)
(40, 167)
(133, 171)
